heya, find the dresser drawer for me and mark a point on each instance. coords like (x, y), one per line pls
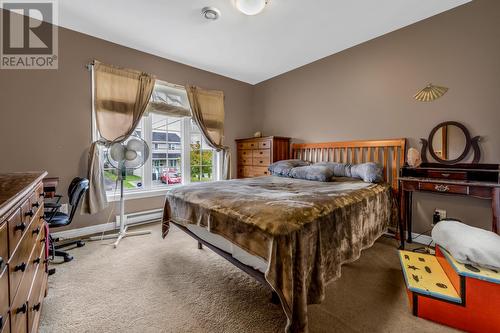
(5, 324)
(245, 172)
(4, 294)
(244, 160)
(265, 144)
(443, 188)
(248, 145)
(37, 293)
(262, 161)
(260, 171)
(456, 175)
(17, 227)
(245, 153)
(262, 153)
(20, 263)
(19, 309)
(4, 250)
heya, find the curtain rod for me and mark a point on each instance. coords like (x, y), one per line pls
(173, 85)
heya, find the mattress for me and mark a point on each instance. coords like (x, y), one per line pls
(236, 252)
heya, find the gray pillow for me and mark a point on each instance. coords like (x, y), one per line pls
(369, 172)
(312, 172)
(283, 168)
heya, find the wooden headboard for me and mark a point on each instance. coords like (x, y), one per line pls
(389, 153)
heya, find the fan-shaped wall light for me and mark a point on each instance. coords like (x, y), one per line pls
(430, 93)
(250, 7)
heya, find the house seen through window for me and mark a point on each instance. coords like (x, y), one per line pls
(178, 152)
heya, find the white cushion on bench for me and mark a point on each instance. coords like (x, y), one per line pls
(468, 245)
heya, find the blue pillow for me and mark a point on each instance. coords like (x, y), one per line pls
(312, 172)
(283, 168)
(369, 172)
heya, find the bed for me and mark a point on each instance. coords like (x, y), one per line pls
(293, 235)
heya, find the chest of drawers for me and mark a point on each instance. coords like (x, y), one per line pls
(23, 259)
(256, 154)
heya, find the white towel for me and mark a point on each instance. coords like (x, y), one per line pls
(468, 245)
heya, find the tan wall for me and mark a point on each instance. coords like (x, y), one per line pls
(366, 93)
(45, 114)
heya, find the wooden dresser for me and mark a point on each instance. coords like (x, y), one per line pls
(256, 154)
(23, 261)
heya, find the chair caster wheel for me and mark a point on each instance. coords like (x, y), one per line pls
(68, 258)
(80, 243)
(52, 271)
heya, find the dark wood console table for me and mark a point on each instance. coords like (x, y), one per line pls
(475, 180)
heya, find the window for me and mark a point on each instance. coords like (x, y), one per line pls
(178, 152)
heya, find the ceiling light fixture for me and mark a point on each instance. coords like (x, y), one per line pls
(210, 13)
(250, 7)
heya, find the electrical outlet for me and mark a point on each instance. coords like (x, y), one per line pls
(442, 213)
(64, 208)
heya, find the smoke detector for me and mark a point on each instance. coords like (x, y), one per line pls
(210, 13)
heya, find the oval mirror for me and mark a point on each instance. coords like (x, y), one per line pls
(449, 142)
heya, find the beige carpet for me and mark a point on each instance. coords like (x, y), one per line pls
(153, 285)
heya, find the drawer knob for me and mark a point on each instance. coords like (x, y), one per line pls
(36, 261)
(36, 204)
(42, 240)
(1, 322)
(1, 263)
(22, 309)
(42, 195)
(30, 214)
(20, 226)
(36, 231)
(36, 307)
(21, 267)
(441, 188)
(445, 175)
(261, 153)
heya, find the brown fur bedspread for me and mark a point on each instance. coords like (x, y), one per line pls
(304, 229)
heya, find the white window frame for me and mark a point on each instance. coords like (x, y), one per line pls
(148, 189)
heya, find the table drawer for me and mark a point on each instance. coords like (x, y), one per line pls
(262, 153)
(456, 175)
(264, 144)
(262, 161)
(260, 171)
(5, 324)
(444, 188)
(4, 294)
(4, 250)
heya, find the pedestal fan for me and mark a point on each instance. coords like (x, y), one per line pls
(128, 155)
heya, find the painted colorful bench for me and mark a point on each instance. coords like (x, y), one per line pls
(450, 293)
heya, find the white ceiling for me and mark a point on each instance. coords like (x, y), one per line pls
(286, 35)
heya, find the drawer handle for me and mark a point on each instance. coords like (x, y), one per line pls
(1, 263)
(261, 153)
(36, 307)
(22, 309)
(445, 174)
(36, 231)
(21, 267)
(30, 214)
(42, 240)
(37, 261)
(1, 322)
(20, 226)
(36, 204)
(441, 188)
(42, 195)
(261, 162)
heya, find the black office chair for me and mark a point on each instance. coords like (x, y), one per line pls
(56, 219)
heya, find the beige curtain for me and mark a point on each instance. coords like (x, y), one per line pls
(207, 108)
(120, 99)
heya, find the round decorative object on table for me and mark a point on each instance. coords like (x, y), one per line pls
(257, 135)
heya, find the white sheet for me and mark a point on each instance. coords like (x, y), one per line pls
(236, 252)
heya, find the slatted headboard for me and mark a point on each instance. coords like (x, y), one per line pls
(389, 153)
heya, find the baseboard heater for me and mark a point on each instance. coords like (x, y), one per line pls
(136, 218)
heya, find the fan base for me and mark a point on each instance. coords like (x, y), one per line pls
(120, 235)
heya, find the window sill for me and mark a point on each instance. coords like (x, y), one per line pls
(139, 194)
